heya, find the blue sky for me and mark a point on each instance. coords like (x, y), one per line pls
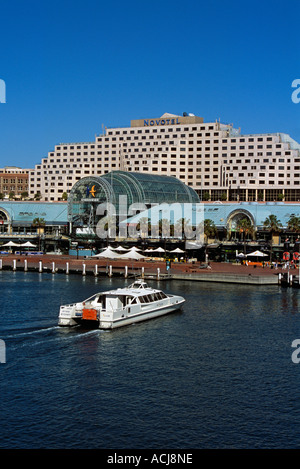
(73, 66)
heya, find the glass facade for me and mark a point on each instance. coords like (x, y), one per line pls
(147, 189)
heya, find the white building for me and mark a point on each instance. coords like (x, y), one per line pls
(215, 159)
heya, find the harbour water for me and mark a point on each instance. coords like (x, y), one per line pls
(219, 374)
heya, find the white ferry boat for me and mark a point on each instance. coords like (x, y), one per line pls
(121, 307)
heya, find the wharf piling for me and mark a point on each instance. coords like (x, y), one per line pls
(216, 272)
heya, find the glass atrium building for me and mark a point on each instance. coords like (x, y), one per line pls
(123, 189)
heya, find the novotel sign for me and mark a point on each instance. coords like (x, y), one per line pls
(151, 122)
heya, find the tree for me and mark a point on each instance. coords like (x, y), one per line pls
(274, 226)
(64, 196)
(294, 224)
(39, 223)
(210, 229)
(260, 196)
(245, 227)
(11, 195)
(144, 227)
(24, 195)
(183, 228)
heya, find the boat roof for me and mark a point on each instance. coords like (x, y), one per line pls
(138, 288)
(131, 291)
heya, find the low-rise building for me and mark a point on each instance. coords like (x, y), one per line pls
(13, 182)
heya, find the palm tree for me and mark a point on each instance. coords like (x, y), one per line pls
(274, 226)
(210, 230)
(294, 224)
(39, 223)
(182, 228)
(144, 227)
(245, 226)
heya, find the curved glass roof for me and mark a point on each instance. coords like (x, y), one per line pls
(137, 187)
(151, 188)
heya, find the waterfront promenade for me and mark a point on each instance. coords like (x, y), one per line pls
(214, 272)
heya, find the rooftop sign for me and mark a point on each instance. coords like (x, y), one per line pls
(167, 119)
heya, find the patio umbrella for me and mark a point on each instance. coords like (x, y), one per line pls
(108, 253)
(120, 248)
(178, 250)
(257, 254)
(28, 244)
(132, 255)
(158, 250)
(12, 244)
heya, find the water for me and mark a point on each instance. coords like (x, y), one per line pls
(217, 375)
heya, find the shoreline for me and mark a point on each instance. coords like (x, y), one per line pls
(223, 272)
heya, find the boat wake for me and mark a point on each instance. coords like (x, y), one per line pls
(18, 335)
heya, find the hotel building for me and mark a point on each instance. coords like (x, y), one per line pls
(215, 159)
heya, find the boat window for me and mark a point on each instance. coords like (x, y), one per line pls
(101, 299)
(161, 295)
(122, 299)
(156, 296)
(129, 299)
(134, 301)
(142, 299)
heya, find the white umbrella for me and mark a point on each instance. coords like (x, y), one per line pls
(132, 255)
(28, 244)
(134, 248)
(120, 248)
(108, 254)
(11, 243)
(240, 255)
(178, 250)
(158, 250)
(257, 254)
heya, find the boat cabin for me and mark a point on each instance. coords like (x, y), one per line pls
(135, 294)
